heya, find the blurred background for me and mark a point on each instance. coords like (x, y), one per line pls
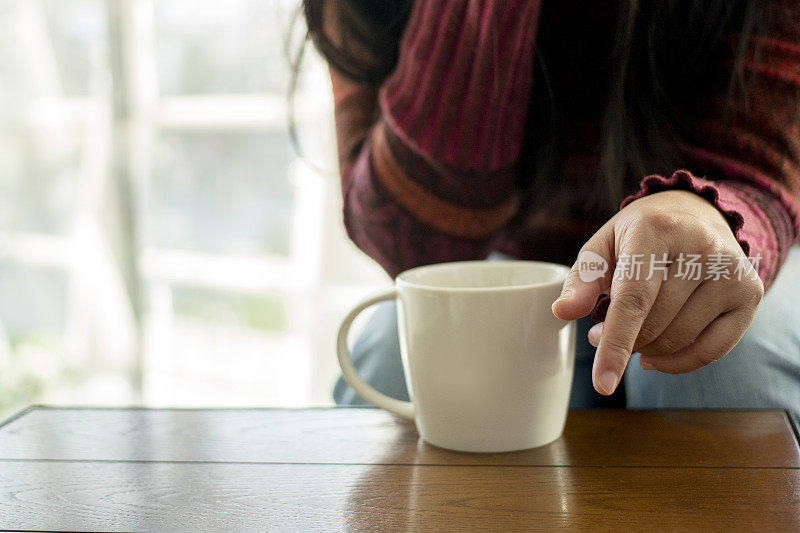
(161, 241)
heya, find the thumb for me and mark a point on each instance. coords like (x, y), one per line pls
(589, 277)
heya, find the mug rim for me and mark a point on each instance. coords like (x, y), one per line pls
(563, 270)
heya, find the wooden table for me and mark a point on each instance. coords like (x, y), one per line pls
(363, 469)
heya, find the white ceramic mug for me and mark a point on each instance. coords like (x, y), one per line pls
(488, 366)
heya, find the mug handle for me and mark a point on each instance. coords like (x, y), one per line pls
(349, 372)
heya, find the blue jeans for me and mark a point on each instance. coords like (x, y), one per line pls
(762, 370)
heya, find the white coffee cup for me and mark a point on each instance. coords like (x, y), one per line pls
(488, 366)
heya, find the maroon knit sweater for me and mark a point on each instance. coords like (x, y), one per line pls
(429, 162)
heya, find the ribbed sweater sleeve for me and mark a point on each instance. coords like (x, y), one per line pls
(428, 171)
(748, 166)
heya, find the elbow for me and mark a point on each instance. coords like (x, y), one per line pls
(377, 242)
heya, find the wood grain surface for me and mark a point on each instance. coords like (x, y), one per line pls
(363, 469)
(363, 435)
(108, 496)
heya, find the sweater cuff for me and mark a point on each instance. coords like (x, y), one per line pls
(744, 207)
(711, 191)
(439, 96)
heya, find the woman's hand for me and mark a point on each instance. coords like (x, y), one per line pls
(678, 323)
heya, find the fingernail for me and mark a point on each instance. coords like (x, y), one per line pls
(646, 365)
(608, 381)
(595, 333)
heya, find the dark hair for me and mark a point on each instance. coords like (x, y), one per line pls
(662, 49)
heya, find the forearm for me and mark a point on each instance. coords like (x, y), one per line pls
(748, 150)
(433, 178)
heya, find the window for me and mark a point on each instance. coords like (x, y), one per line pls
(161, 241)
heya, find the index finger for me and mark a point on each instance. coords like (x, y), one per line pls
(632, 297)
